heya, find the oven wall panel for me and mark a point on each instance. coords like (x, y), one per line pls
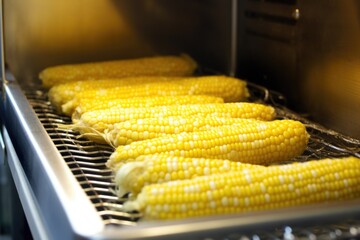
(267, 44)
(43, 33)
(329, 63)
(309, 51)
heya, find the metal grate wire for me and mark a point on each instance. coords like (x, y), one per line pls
(85, 159)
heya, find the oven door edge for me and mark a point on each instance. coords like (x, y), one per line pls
(27, 199)
(41, 174)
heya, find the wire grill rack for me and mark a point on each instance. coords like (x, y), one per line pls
(86, 160)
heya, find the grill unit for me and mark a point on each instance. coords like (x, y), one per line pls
(86, 161)
(292, 46)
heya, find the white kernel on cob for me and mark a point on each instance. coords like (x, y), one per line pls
(229, 88)
(93, 124)
(87, 105)
(257, 142)
(251, 190)
(147, 128)
(148, 66)
(158, 168)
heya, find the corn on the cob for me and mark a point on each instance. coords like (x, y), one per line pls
(251, 190)
(158, 168)
(94, 123)
(147, 128)
(62, 93)
(136, 102)
(256, 143)
(228, 88)
(149, 66)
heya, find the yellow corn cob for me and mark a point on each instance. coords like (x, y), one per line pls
(228, 88)
(62, 93)
(149, 66)
(151, 169)
(256, 143)
(251, 190)
(136, 102)
(147, 128)
(94, 123)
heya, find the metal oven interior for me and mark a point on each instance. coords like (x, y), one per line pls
(61, 179)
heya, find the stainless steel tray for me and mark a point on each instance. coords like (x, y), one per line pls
(66, 189)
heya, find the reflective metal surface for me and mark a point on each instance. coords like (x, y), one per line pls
(2, 148)
(44, 180)
(44, 33)
(25, 192)
(329, 63)
(267, 44)
(310, 52)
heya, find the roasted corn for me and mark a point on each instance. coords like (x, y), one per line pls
(259, 142)
(228, 88)
(149, 66)
(146, 128)
(249, 190)
(62, 93)
(136, 102)
(94, 123)
(158, 168)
